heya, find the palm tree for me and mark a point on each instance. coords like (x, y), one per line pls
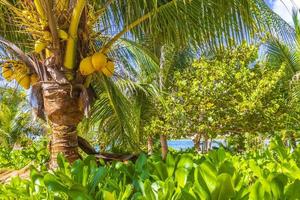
(57, 45)
(277, 53)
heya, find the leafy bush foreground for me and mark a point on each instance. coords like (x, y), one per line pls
(273, 173)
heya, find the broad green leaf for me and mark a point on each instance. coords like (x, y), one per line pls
(186, 195)
(107, 195)
(186, 161)
(147, 190)
(292, 191)
(207, 175)
(217, 156)
(255, 168)
(256, 191)
(167, 188)
(97, 176)
(170, 161)
(181, 176)
(224, 189)
(126, 194)
(78, 192)
(161, 170)
(53, 184)
(140, 162)
(226, 167)
(85, 175)
(61, 161)
(77, 171)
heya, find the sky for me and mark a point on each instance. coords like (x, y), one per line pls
(284, 8)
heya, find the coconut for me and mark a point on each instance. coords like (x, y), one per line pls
(86, 66)
(39, 46)
(24, 81)
(7, 72)
(99, 61)
(34, 79)
(109, 69)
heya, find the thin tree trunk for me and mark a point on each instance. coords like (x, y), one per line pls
(196, 141)
(293, 140)
(164, 146)
(62, 111)
(205, 142)
(150, 145)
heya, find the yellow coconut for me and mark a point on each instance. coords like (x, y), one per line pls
(20, 70)
(7, 72)
(86, 66)
(39, 46)
(62, 34)
(109, 69)
(34, 79)
(99, 61)
(24, 81)
(48, 53)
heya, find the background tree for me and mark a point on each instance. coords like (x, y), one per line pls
(16, 119)
(57, 43)
(231, 93)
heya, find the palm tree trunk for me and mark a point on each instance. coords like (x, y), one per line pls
(63, 113)
(150, 145)
(164, 146)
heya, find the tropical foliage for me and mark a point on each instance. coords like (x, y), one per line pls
(29, 153)
(109, 77)
(16, 118)
(67, 45)
(218, 175)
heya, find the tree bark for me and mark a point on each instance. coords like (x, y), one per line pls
(63, 114)
(196, 141)
(150, 145)
(164, 146)
(293, 140)
(205, 143)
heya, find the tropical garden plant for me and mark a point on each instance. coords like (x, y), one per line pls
(272, 173)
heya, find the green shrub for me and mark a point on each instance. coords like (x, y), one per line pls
(16, 159)
(273, 173)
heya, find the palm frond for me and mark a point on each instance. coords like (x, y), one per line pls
(9, 29)
(278, 52)
(208, 23)
(132, 57)
(112, 114)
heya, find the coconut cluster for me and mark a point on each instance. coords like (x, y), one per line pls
(19, 71)
(98, 62)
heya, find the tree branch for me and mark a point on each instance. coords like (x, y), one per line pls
(85, 146)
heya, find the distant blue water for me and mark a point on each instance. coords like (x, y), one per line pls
(184, 144)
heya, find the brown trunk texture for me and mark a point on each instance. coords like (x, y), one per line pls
(164, 146)
(63, 113)
(206, 144)
(196, 141)
(293, 140)
(150, 145)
